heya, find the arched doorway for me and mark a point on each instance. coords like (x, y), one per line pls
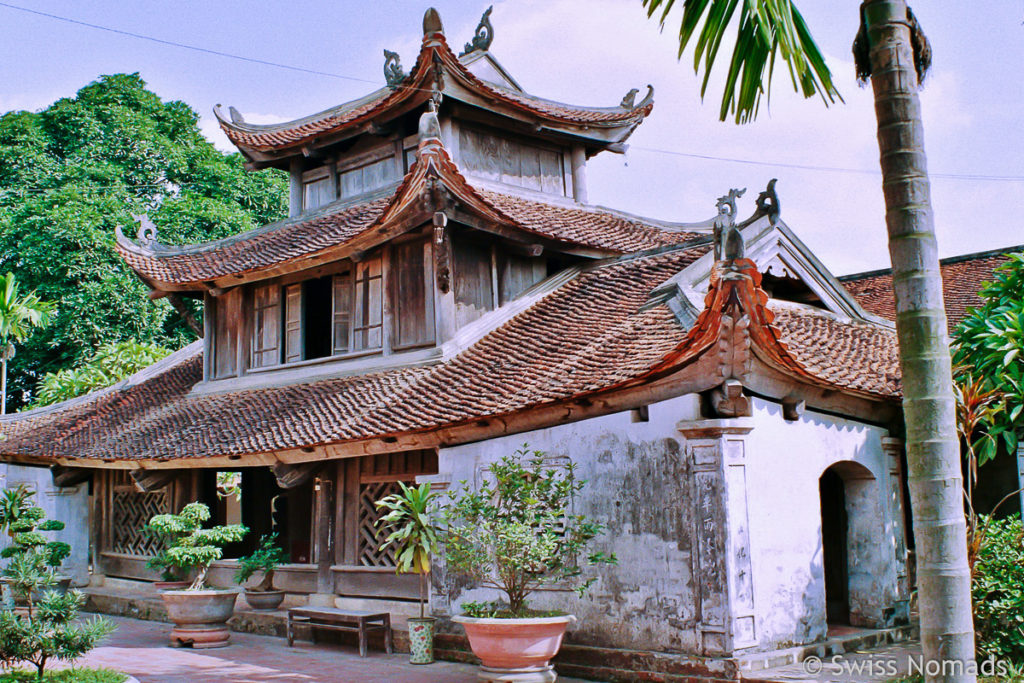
(850, 542)
(834, 543)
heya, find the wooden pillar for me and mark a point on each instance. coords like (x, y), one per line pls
(324, 550)
(295, 188)
(579, 174)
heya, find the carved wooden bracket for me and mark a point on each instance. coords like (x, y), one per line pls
(151, 480)
(291, 475)
(793, 408)
(69, 476)
(728, 400)
(442, 247)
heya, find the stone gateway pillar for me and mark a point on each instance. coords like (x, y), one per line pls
(717, 451)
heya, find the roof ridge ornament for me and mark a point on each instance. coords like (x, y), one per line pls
(629, 101)
(429, 130)
(728, 240)
(236, 116)
(432, 22)
(393, 72)
(147, 233)
(484, 35)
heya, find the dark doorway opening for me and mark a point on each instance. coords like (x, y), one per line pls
(316, 299)
(834, 537)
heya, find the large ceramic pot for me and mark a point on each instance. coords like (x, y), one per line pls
(200, 617)
(171, 585)
(517, 650)
(264, 600)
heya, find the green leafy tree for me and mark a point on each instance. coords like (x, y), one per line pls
(998, 589)
(517, 533)
(891, 52)
(409, 519)
(990, 344)
(73, 172)
(47, 627)
(19, 315)
(192, 545)
(111, 363)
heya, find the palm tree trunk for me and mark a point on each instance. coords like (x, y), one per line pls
(3, 387)
(933, 452)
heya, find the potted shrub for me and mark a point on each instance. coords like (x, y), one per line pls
(200, 614)
(516, 533)
(267, 557)
(414, 538)
(47, 627)
(25, 523)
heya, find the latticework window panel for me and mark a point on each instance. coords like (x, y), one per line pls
(369, 494)
(132, 511)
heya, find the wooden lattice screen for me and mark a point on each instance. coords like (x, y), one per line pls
(131, 511)
(370, 493)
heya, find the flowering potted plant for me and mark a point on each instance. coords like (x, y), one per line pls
(267, 557)
(516, 533)
(200, 614)
(414, 537)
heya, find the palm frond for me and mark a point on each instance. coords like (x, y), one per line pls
(764, 30)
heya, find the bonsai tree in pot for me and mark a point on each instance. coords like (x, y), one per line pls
(267, 557)
(414, 537)
(47, 627)
(25, 523)
(200, 614)
(516, 533)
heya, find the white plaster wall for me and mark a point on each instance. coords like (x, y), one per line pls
(785, 461)
(638, 485)
(69, 505)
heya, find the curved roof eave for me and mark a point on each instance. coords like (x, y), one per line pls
(434, 65)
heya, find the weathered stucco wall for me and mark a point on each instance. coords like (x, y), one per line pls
(719, 537)
(785, 461)
(69, 505)
(638, 485)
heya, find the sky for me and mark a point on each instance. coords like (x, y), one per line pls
(590, 52)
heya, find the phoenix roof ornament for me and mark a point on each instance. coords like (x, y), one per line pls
(484, 34)
(728, 241)
(393, 72)
(147, 233)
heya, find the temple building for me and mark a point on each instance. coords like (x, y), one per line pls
(443, 292)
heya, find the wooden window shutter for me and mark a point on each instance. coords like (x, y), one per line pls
(342, 329)
(412, 295)
(228, 314)
(266, 327)
(293, 323)
(368, 328)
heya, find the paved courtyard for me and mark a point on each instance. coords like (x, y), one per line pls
(140, 649)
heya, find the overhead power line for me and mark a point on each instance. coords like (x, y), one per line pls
(316, 72)
(184, 46)
(828, 169)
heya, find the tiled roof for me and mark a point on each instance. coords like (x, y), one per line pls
(592, 334)
(336, 225)
(416, 88)
(268, 246)
(854, 355)
(962, 279)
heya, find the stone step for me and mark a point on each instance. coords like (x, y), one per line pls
(862, 639)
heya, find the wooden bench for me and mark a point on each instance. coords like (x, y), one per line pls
(333, 619)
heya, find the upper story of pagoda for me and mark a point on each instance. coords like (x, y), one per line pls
(495, 132)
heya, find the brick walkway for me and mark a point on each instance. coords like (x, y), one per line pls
(140, 648)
